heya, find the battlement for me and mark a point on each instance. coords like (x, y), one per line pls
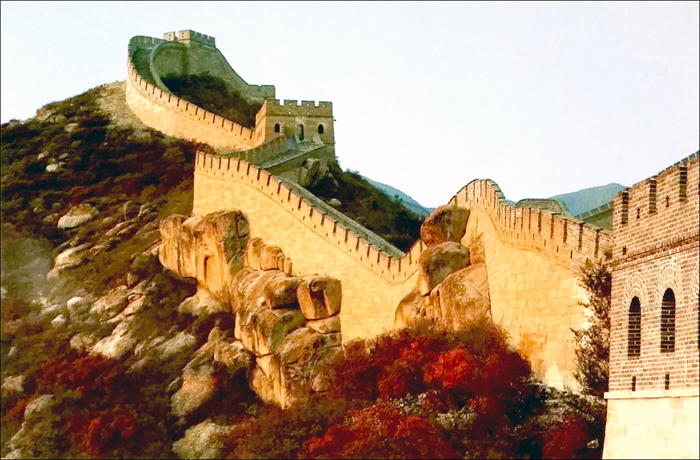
(656, 204)
(188, 36)
(292, 107)
(220, 132)
(567, 240)
(358, 242)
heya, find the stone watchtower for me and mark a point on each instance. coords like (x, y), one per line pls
(655, 324)
(305, 122)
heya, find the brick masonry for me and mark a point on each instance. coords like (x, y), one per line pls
(653, 398)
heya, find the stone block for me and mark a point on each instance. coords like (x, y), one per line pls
(319, 296)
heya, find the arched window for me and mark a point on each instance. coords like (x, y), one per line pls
(301, 132)
(668, 322)
(320, 129)
(634, 330)
(277, 127)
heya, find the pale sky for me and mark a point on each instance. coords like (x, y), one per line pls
(543, 98)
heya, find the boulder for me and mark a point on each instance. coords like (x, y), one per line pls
(439, 261)
(203, 303)
(11, 390)
(281, 291)
(59, 321)
(269, 257)
(83, 342)
(464, 297)
(117, 344)
(326, 325)
(251, 258)
(199, 385)
(37, 407)
(77, 215)
(111, 304)
(180, 344)
(248, 289)
(319, 296)
(411, 310)
(233, 355)
(284, 378)
(262, 330)
(72, 257)
(204, 440)
(445, 223)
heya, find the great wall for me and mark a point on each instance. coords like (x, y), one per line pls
(532, 255)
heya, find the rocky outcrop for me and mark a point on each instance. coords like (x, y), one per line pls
(204, 440)
(203, 303)
(452, 290)
(281, 320)
(111, 304)
(208, 248)
(77, 215)
(288, 323)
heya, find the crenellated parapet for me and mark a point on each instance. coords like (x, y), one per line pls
(178, 117)
(357, 242)
(567, 240)
(190, 52)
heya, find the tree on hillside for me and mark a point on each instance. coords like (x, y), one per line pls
(593, 342)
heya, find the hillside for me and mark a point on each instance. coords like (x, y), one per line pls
(107, 354)
(406, 200)
(586, 199)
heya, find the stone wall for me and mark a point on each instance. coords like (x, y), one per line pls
(372, 281)
(532, 257)
(177, 117)
(194, 53)
(535, 293)
(656, 248)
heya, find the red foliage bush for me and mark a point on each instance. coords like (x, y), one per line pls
(98, 432)
(83, 374)
(380, 431)
(16, 412)
(567, 439)
(453, 369)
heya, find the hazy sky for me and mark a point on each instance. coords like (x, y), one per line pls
(543, 98)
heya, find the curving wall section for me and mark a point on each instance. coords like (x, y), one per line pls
(531, 256)
(174, 116)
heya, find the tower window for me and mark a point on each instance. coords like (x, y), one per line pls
(301, 132)
(668, 322)
(277, 127)
(320, 129)
(634, 329)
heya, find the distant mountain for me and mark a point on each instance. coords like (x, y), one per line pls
(589, 198)
(407, 201)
